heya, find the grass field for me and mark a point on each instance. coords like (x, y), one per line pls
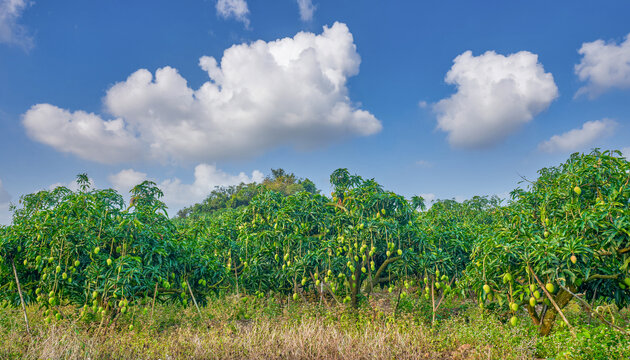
(241, 327)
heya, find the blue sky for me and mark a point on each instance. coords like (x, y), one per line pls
(448, 99)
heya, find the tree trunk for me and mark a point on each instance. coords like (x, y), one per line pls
(533, 315)
(357, 283)
(381, 269)
(546, 324)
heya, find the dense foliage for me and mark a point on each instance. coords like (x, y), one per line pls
(568, 233)
(566, 236)
(85, 248)
(235, 196)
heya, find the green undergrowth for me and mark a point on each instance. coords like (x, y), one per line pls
(239, 327)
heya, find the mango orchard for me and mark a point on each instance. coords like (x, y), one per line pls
(565, 236)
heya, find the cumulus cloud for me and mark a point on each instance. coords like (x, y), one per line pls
(306, 9)
(125, 180)
(4, 195)
(11, 32)
(604, 66)
(496, 94)
(236, 9)
(288, 92)
(429, 198)
(178, 194)
(80, 133)
(207, 177)
(578, 139)
(72, 185)
(625, 152)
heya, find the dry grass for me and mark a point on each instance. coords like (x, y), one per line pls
(310, 339)
(248, 328)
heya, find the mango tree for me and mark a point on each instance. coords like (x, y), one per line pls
(567, 234)
(446, 234)
(85, 248)
(308, 243)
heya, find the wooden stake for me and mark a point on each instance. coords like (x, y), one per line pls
(153, 305)
(432, 301)
(17, 281)
(193, 297)
(443, 294)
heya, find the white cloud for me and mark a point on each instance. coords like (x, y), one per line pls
(306, 9)
(504, 196)
(429, 198)
(178, 194)
(496, 94)
(604, 66)
(72, 185)
(125, 180)
(234, 9)
(460, 198)
(424, 163)
(578, 139)
(4, 195)
(625, 152)
(207, 177)
(10, 31)
(260, 96)
(5, 214)
(422, 104)
(83, 134)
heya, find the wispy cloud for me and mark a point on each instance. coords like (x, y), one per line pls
(424, 163)
(236, 9)
(578, 139)
(307, 9)
(4, 195)
(11, 31)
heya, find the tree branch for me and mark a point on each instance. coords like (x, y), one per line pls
(382, 268)
(533, 315)
(588, 307)
(599, 276)
(443, 294)
(553, 302)
(338, 206)
(603, 252)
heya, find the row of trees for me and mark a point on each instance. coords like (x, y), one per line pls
(565, 236)
(85, 248)
(235, 196)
